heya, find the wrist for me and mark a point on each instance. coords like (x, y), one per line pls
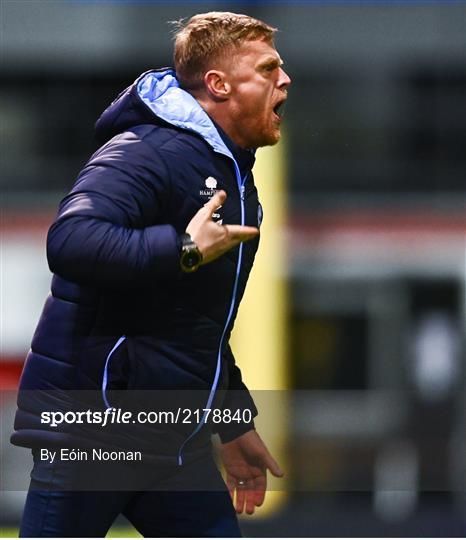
(232, 432)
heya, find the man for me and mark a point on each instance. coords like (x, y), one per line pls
(151, 252)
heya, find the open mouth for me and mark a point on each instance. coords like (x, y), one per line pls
(279, 108)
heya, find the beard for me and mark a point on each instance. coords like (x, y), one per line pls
(270, 138)
(259, 136)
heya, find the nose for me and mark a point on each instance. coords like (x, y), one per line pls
(283, 80)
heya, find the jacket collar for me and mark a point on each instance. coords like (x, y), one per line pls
(244, 157)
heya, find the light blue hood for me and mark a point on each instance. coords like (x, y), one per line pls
(161, 93)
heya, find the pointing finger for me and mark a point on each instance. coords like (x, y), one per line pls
(241, 233)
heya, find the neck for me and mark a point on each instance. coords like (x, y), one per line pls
(220, 113)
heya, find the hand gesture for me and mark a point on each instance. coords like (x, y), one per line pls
(213, 239)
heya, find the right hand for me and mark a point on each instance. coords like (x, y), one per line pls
(213, 239)
(247, 458)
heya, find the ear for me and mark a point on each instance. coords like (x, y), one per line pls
(217, 85)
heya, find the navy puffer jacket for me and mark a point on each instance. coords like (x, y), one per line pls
(121, 314)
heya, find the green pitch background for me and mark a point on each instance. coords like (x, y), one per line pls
(114, 532)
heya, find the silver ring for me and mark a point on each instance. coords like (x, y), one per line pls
(241, 483)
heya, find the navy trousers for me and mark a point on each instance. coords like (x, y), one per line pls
(166, 509)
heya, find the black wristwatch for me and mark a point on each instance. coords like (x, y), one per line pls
(191, 257)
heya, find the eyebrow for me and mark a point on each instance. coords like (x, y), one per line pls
(273, 61)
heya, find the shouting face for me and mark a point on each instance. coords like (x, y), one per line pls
(257, 87)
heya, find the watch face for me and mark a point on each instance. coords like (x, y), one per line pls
(190, 259)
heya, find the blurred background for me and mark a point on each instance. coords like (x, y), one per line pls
(373, 237)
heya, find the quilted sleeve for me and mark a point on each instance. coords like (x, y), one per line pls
(110, 229)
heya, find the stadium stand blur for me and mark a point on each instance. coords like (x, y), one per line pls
(376, 228)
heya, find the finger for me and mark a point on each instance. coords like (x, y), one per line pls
(250, 498)
(273, 466)
(240, 499)
(216, 200)
(260, 490)
(241, 233)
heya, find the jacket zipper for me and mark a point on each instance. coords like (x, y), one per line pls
(107, 365)
(240, 181)
(218, 369)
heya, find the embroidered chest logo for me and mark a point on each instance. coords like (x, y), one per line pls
(211, 185)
